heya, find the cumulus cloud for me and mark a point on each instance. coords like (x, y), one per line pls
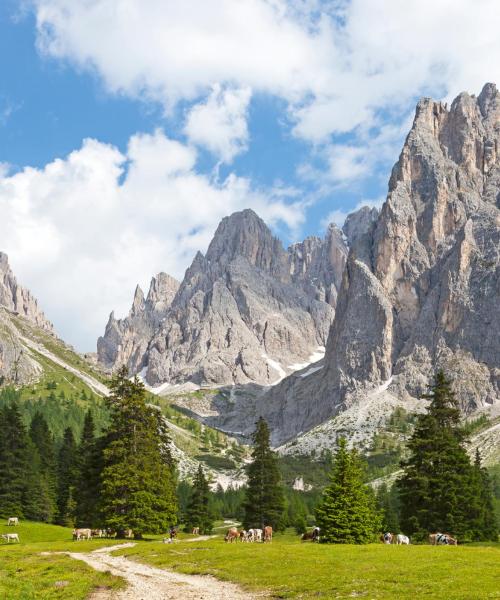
(82, 231)
(337, 64)
(220, 123)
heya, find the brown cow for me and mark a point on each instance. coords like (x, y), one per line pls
(442, 539)
(268, 533)
(232, 535)
(81, 534)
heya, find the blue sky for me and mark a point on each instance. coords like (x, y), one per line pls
(129, 128)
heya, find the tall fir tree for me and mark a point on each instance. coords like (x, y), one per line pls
(481, 510)
(137, 483)
(198, 513)
(440, 489)
(347, 512)
(67, 477)
(14, 461)
(265, 500)
(89, 470)
(46, 469)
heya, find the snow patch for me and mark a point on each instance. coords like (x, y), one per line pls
(318, 354)
(310, 371)
(276, 366)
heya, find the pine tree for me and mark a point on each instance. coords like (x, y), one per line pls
(137, 483)
(67, 476)
(481, 509)
(388, 505)
(89, 470)
(14, 461)
(44, 467)
(347, 513)
(265, 501)
(198, 512)
(439, 489)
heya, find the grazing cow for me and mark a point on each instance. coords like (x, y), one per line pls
(442, 539)
(232, 535)
(257, 535)
(402, 540)
(97, 533)
(313, 535)
(10, 536)
(109, 533)
(386, 538)
(81, 534)
(196, 531)
(268, 533)
(243, 536)
(13, 521)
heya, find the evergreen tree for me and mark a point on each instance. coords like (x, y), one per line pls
(198, 512)
(388, 504)
(14, 461)
(67, 476)
(347, 513)
(89, 470)
(482, 509)
(137, 483)
(44, 467)
(440, 489)
(265, 501)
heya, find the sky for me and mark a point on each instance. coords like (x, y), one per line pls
(129, 128)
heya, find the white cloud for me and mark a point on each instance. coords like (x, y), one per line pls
(220, 123)
(82, 231)
(337, 64)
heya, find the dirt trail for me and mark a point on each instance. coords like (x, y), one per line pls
(150, 583)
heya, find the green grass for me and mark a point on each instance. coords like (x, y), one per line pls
(27, 572)
(290, 569)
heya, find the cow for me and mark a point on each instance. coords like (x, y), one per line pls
(81, 534)
(268, 533)
(402, 540)
(109, 533)
(13, 521)
(257, 535)
(313, 535)
(196, 531)
(386, 538)
(243, 536)
(129, 533)
(442, 539)
(10, 536)
(232, 535)
(97, 533)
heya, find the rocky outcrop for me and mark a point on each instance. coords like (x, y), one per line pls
(247, 311)
(16, 363)
(18, 299)
(422, 281)
(125, 341)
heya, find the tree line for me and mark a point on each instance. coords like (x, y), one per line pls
(125, 478)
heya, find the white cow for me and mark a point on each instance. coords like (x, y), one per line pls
(402, 540)
(13, 521)
(10, 536)
(257, 535)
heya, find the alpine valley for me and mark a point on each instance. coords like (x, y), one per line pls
(339, 334)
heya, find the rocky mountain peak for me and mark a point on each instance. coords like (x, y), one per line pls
(245, 235)
(17, 298)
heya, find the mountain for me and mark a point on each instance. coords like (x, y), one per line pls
(420, 290)
(247, 311)
(125, 341)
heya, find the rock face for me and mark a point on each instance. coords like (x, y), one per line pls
(16, 365)
(125, 341)
(422, 283)
(247, 311)
(17, 299)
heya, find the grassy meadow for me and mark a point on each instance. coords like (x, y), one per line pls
(287, 568)
(27, 572)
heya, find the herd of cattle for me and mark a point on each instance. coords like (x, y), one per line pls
(435, 539)
(250, 535)
(235, 535)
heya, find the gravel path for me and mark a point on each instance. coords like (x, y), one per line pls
(149, 583)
